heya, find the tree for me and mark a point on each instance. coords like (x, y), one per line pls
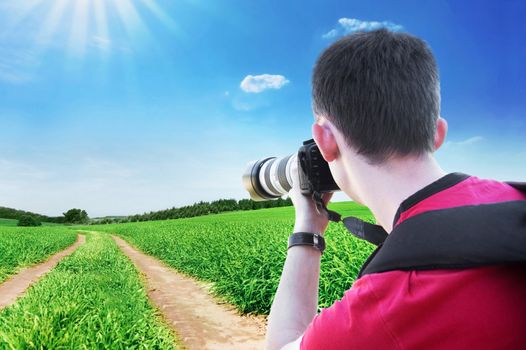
(28, 220)
(76, 216)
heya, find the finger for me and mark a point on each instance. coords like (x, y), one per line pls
(295, 175)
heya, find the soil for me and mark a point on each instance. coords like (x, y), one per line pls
(199, 320)
(17, 284)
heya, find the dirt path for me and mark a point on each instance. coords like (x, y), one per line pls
(198, 319)
(17, 284)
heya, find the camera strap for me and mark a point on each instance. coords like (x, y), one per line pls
(376, 234)
(372, 233)
(331, 215)
(455, 238)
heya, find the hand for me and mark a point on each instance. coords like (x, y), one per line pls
(308, 218)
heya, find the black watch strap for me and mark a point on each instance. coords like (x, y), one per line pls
(307, 238)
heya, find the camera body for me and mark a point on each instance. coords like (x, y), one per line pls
(314, 172)
(270, 178)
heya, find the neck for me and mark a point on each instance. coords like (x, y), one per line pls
(383, 188)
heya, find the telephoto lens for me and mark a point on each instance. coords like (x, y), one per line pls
(269, 178)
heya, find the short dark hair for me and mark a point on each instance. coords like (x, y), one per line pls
(381, 90)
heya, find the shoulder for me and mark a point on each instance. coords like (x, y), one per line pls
(400, 309)
(419, 306)
(355, 321)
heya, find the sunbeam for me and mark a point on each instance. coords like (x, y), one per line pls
(100, 18)
(21, 10)
(102, 38)
(160, 14)
(131, 19)
(79, 28)
(51, 23)
(86, 35)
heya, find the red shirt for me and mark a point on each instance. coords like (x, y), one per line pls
(477, 308)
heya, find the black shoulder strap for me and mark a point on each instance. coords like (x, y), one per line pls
(372, 233)
(521, 186)
(459, 237)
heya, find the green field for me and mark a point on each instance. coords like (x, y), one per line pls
(93, 299)
(243, 253)
(24, 246)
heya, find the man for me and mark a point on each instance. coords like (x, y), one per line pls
(376, 101)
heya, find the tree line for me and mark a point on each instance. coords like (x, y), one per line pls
(198, 209)
(10, 213)
(79, 216)
(26, 218)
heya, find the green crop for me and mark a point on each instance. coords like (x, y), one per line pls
(243, 253)
(93, 299)
(21, 246)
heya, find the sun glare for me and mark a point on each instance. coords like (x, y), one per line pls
(79, 27)
(100, 18)
(81, 24)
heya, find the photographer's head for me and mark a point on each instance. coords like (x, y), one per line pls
(376, 98)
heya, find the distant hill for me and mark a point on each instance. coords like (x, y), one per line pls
(10, 213)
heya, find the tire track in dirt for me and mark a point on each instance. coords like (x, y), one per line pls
(16, 285)
(197, 318)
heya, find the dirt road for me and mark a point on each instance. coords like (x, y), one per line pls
(197, 318)
(17, 284)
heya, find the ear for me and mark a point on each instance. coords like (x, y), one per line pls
(440, 133)
(325, 139)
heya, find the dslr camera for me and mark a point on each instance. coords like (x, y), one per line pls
(271, 178)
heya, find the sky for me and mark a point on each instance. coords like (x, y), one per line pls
(127, 106)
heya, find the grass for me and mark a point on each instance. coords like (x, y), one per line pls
(93, 299)
(243, 253)
(24, 246)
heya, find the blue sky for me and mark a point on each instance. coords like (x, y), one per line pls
(126, 106)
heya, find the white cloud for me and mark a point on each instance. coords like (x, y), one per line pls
(101, 42)
(355, 25)
(352, 25)
(466, 142)
(330, 34)
(485, 158)
(260, 83)
(106, 45)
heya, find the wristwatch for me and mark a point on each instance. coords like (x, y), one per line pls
(307, 238)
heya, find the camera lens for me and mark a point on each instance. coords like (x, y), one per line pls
(269, 178)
